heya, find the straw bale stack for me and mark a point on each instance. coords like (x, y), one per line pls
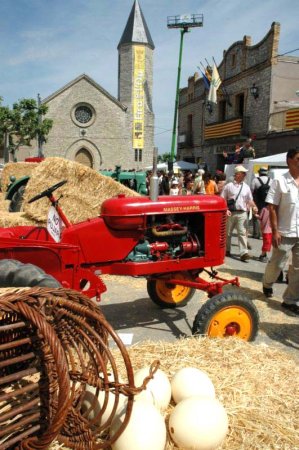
(258, 386)
(83, 194)
(18, 169)
(4, 204)
(8, 219)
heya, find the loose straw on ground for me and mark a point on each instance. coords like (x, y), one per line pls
(258, 386)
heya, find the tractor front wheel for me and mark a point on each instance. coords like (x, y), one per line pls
(16, 274)
(167, 295)
(227, 314)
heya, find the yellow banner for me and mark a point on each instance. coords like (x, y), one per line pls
(138, 96)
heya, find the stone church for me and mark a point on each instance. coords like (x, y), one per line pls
(93, 127)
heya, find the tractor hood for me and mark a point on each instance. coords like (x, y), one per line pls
(128, 212)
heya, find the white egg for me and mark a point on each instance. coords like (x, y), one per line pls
(190, 381)
(145, 396)
(97, 403)
(146, 429)
(158, 389)
(198, 423)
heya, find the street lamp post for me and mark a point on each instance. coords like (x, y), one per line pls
(183, 23)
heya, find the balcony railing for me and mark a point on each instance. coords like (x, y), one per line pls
(284, 120)
(234, 127)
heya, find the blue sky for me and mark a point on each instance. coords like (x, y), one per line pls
(44, 44)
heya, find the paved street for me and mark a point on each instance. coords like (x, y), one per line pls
(136, 318)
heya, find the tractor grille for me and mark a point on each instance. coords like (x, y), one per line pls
(223, 230)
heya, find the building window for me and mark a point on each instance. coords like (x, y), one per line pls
(190, 123)
(83, 114)
(138, 154)
(240, 105)
(233, 60)
(189, 140)
(222, 111)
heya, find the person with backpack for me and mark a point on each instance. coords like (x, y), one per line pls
(259, 188)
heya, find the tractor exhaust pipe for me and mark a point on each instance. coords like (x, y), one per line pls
(154, 181)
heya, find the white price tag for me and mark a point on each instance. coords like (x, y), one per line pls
(54, 224)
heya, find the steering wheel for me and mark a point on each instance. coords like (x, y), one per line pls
(47, 192)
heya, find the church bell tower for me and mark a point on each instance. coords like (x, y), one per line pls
(135, 84)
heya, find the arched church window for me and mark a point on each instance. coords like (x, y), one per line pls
(83, 156)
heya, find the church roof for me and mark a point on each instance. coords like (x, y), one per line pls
(136, 30)
(89, 80)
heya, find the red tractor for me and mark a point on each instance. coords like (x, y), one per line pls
(168, 240)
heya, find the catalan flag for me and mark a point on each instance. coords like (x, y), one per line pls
(214, 85)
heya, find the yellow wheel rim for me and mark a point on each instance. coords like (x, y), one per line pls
(231, 321)
(172, 293)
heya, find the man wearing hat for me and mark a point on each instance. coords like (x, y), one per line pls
(239, 200)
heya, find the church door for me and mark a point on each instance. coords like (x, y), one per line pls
(84, 157)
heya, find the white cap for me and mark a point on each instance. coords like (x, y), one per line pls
(174, 182)
(240, 169)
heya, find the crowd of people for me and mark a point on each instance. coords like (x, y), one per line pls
(189, 183)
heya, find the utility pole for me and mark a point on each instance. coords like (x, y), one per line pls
(183, 23)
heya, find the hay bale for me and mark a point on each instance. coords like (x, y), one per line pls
(8, 219)
(4, 204)
(83, 194)
(18, 169)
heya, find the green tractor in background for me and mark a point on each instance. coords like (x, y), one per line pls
(132, 179)
(15, 192)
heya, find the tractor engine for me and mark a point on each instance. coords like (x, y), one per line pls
(167, 237)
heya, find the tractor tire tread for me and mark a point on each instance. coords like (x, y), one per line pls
(152, 292)
(16, 274)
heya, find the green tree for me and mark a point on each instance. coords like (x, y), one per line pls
(23, 123)
(165, 157)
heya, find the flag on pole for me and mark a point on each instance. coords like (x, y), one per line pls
(205, 79)
(214, 85)
(208, 72)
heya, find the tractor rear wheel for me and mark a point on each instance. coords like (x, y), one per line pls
(168, 295)
(16, 274)
(227, 314)
(17, 200)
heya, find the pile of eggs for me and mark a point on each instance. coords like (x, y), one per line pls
(198, 420)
